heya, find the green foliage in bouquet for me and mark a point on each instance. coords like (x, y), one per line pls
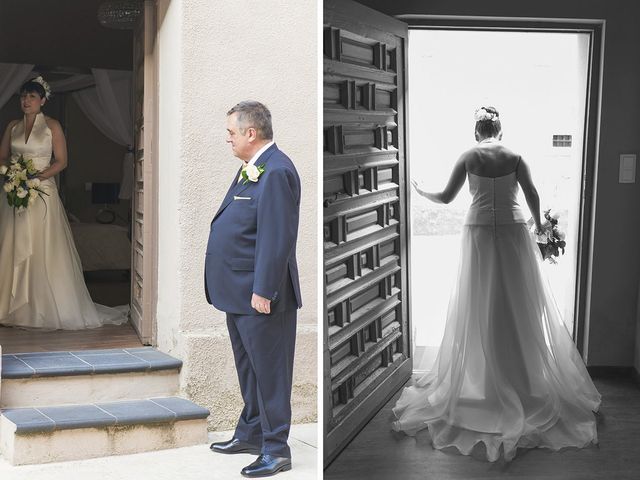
(20, 182)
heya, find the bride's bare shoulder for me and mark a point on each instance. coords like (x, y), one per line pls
(470, 153)
(469, 157)
(507, 150)
(10, 126)
(53, 124)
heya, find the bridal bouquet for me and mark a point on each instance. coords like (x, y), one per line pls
(551, 240)
(20, 182)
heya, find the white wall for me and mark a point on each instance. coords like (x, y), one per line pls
(214, 54)
(169, 44)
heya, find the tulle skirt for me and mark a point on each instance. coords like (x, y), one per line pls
(507, 372)
(41, 280)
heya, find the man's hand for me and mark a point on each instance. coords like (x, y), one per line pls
(261, 304)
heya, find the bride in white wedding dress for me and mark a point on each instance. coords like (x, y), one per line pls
(507, 373)
(41, 280)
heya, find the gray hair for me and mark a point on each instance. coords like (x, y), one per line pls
(252, 114)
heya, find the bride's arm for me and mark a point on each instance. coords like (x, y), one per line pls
(458, 176)
(59, 151)
(5, 144)
(523, 174)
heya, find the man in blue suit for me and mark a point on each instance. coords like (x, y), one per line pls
(251, 274)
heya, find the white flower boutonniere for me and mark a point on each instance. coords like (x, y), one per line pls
(251, 173)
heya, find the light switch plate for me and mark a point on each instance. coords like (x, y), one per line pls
(627, 168)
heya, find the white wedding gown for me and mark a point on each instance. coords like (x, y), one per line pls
(507, 372)
(41, 280)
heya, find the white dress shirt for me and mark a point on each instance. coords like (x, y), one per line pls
(260, 152)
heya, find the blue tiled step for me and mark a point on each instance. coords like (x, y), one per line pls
(86, 362)
(137, 412)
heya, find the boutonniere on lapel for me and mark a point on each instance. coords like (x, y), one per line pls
(251, 173)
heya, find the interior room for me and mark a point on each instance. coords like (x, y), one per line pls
(88, 67)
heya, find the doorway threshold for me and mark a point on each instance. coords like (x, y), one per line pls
(16, 340)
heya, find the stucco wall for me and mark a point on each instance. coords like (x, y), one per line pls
(616, 256)
(212, 55)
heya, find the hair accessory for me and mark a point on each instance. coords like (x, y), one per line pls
(484, 115)
(45, 85)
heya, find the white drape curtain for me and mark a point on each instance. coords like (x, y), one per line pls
(72, 83)
(104, 97)
(12, 76)
(108, 104)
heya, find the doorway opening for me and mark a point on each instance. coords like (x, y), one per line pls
(538, 81)
(92, 73)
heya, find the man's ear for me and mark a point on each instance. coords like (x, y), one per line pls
(253, 134)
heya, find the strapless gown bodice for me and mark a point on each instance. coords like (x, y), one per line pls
(494, 201)
(37, 147)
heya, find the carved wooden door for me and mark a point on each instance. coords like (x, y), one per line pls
(367, 349)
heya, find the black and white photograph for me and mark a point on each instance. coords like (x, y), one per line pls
(480, 240)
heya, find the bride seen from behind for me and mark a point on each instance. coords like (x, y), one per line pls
(507, 374)
(41, 279)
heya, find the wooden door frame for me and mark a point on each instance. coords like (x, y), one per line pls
(148, 331)
(590, 148)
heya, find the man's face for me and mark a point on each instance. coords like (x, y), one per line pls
(241, 144)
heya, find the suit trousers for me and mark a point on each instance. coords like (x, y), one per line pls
(263, 349)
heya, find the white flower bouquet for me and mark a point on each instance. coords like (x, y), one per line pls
(21, 183)
(551, 240)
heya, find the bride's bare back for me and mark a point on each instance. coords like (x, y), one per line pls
(490, 158)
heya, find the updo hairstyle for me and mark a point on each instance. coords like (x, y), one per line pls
(488, 122)
(33, 87)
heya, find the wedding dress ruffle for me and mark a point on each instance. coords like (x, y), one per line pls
(507, 373)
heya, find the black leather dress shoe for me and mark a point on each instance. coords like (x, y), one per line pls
(266, 465)
(235, 446)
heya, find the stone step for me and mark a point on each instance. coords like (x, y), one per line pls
(87, 376)
(74, 432)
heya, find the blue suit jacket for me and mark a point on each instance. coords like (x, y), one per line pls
(252, 241)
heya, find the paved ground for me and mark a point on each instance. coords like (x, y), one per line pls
(189, 463)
